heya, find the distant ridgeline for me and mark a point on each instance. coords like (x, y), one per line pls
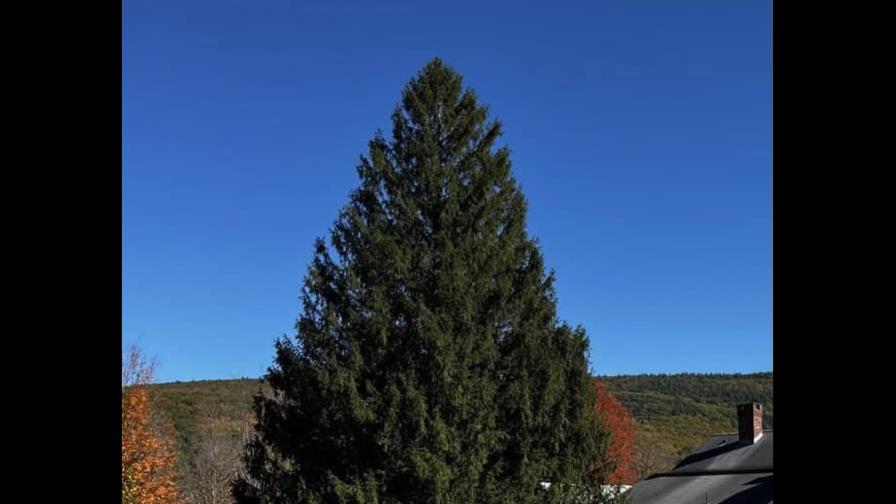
(683, 409)
(679, 410)
(190, 404)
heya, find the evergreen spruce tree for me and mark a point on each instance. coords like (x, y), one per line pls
(429, 363)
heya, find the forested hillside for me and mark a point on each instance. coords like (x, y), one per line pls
(683, 409)
(673, 414)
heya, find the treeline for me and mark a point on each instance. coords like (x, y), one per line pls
(189, 404)
(213, 421)
(680, 410)
(673, 414)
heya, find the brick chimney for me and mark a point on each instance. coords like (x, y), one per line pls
(749, 422)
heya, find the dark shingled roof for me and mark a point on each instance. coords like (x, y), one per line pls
(722, 471)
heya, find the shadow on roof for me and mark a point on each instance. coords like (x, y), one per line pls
(696, 457)
(759, 490)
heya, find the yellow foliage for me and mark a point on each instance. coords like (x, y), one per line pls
(147, 460)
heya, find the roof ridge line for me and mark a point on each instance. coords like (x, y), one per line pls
(716, 472)
(735, 432)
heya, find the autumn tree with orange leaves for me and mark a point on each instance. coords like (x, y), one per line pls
(620, 453)
(147, 458)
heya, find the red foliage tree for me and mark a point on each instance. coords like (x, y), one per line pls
(620, 454)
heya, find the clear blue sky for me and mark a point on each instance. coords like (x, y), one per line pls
(640, 132)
